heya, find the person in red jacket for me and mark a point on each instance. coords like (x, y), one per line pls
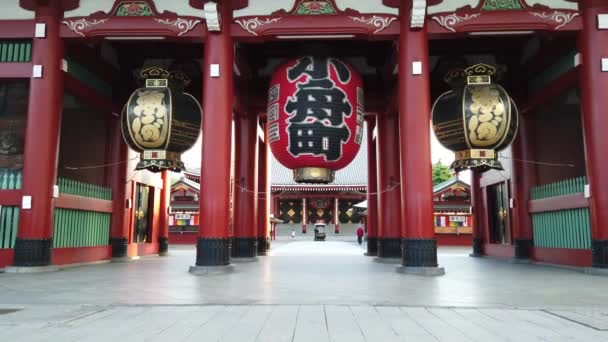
(360, 235)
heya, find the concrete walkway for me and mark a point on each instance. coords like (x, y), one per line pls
(305, 291)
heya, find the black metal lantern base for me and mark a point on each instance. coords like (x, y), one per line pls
(372, 246)
(313, 175)
(389, 247)
(244, 247)
(33, 252)
(420, 253)
(599, 253)
(212, 252)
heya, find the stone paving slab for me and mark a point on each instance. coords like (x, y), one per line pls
(276, 323)
(593, 317)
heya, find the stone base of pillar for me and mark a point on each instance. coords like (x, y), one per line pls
(207, 270)
(477, 247)
(599, 253)
(372, 246)
(33, 252)
(389, 247)
(119, 247)
(245, 247)
(419, 253)
(262, 245)
(163, 245)
(212, 252)
(422, 271)
(337, 229)
(31, 269)
(523, 248)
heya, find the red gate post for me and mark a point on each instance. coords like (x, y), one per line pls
(336, 217)
(213, 245)
(371, 220)
(263, 197)
(35, 231)
(163, 235)
(245, 243)
(522, 180)
(593, 44)
(389, 198)
(304, 215)
(420, 245)
(119, 235)
(477, 207)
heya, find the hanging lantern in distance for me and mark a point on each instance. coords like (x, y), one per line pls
(476, 119)
(315, 117)
(161, 121)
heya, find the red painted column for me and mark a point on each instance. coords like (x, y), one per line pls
(263, 197)
(420, 245)
(389, 197)
(213, 243)
(163, 234)
(593, 45)
(245, 243)
(34, 237)
(522, 180)
(371, 220)
(336, 217)
(477, 207)
(304, 215)
(119, 234)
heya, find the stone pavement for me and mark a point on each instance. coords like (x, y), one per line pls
(305, 291)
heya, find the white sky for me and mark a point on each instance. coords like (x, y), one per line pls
(192, 157)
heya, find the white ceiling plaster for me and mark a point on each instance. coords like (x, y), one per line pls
(12, 10)
(181, 7)
(554, 4)
(451, 6)
(266, 7)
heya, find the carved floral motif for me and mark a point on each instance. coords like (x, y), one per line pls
(379, 22)
(78, 25)
(182, 24)
(560, 18)
(448, 21)
(251, 25)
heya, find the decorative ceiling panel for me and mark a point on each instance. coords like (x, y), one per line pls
(267, 7)
(180, 7)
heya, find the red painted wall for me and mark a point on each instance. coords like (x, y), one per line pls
(501, 251)
(6, 257)
(454, 240)
(65, 256)
(563, 256)
(183, 238)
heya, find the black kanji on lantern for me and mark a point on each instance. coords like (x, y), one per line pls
(320, 107)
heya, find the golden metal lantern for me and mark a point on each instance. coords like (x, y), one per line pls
(476, 119)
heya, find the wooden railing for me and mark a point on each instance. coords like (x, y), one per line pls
(560, 215)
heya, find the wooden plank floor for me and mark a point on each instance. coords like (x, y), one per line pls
(277, 323)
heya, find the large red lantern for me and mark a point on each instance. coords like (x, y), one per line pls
(315, 117)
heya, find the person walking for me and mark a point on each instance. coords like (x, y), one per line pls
(293, 233)
(360, 235)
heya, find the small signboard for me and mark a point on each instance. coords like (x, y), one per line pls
(182, 216)
(458, 219)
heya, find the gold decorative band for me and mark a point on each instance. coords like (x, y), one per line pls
(157, 83)
(479, 79)
(475, 154)
(160, 155)
(313, 175)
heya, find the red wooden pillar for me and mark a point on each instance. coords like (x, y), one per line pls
(593, 45)
(119, 234)
(34, 237)
(420, 245)
(213, 244)
(477, 207)
(245, 243)
(371, 220)
(336, 217)
(389, 198)
(163, 234)
(304, 215)
(522, 180)
(263, 197)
